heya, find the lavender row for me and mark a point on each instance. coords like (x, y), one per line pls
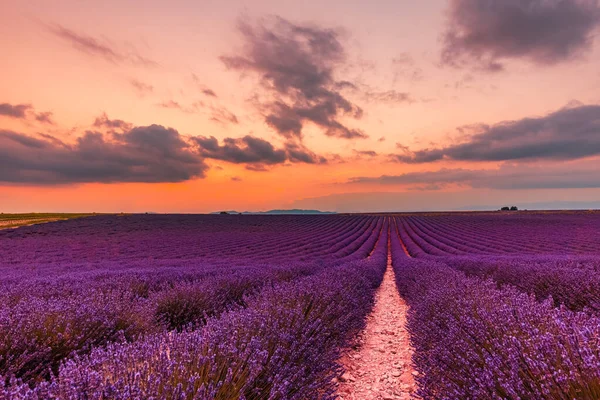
(38, 332)
(283, 345)
(473, 340)
(555, 233)
(568, 281)
(96, 240)
(46, 320)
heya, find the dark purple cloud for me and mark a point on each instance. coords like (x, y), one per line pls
(14, 111)
(100, 48)
(568, 134)
(541, 31)
(299, 153)
(296, 65)
(25, 112)
(252, 150)
(572, 175)
(142, 154)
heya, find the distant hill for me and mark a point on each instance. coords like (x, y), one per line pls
(278, 212)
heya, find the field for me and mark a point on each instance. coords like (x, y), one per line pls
(498, 306)
(16, 220)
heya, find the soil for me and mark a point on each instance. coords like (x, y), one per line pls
(379, 367)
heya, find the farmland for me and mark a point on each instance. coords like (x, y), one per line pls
(499, 305)
(16, 220)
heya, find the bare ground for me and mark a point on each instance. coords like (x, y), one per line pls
(24, 222)
(380, 367)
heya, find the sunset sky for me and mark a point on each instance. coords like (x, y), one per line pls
(199, 106)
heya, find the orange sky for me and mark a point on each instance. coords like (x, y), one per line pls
(163, 53)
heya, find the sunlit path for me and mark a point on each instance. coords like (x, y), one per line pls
(381, 366)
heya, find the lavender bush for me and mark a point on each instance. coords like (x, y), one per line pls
(283, 345)
(518, 335)
(108, 289)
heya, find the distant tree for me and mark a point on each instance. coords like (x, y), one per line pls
(505, 209)
(514, 208)
(224, 213)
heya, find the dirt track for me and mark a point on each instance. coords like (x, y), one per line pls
(381, 366)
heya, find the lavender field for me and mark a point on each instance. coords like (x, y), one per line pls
(500, 305)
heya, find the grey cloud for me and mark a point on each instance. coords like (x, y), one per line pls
(366, 153)
(100, 48)
(203, 88)
(571, 175)
(25, 112)
(390, 96)
(215, 113)
(252, 150)
(14, 111)
(104, 122)
(141, 87)
(142, 154)
(257, 168)
(223, 115)
(172, 104)
(296, 65)
(567, 134)
(541, 31)
(299, 153)
(405, 66)
(244, 150)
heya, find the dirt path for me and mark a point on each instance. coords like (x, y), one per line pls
(380, 368)
(9, 224)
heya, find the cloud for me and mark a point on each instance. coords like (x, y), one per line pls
(390, 96)
(173, 105)
(142, 154)
(203, 88)
(44, 117)
(570, 175)
(299, 153)
(25, 112)
(111, 124)
(567, 134)
(248, 149)
(253, 150)
(100, 48)
(541, 31)
(223, 115)
(141, 87)
(215, 113)
(14, 111)
(296, 65)
(366, 153)
(257, 168)
(404, 66)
